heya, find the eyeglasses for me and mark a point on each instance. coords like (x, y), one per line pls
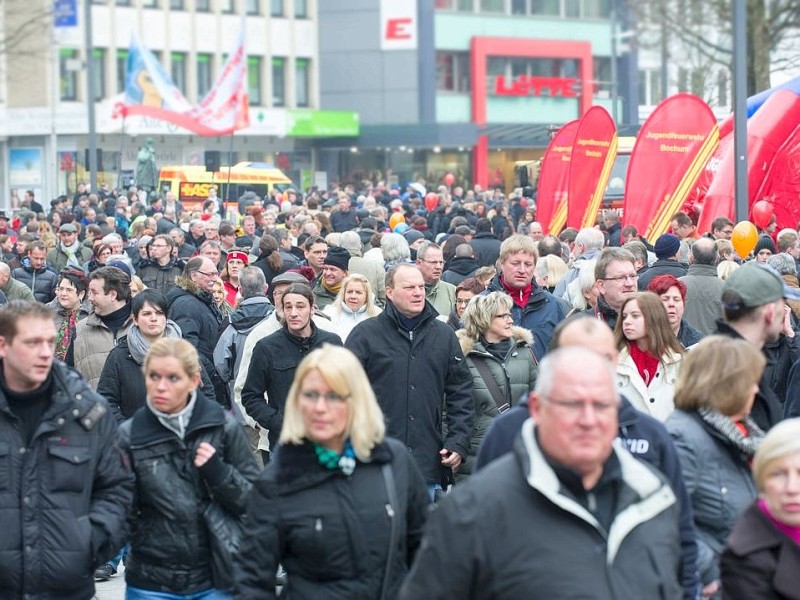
(433, 262)
(330, 398)
(631, 277)
(158, 245)
(214, 274)
(504, 316)
(462, 301)
(576, 407)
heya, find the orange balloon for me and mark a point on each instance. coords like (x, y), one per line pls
(398, 218)
(744, 238)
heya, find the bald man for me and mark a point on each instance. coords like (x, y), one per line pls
(643, 436)
(11, 288)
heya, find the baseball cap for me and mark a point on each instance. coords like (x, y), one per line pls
(755, 285)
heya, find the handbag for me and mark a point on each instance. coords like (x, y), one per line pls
(225, 534)
(491, 385)
(393, 509)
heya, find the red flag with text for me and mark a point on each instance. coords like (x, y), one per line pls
(593, 154)
(551, 198)
(672, 148)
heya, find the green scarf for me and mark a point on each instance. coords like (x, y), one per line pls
(332, 460)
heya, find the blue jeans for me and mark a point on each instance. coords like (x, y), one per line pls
(432, 489)
(132, 593)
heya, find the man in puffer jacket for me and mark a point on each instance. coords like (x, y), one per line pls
(34, 273)
(65, 490)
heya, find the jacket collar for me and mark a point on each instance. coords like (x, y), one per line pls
(391, 313)
(147, 430)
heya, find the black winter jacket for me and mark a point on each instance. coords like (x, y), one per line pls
(665, 266)
(122, 382)
(160, 278)
(415, 375)
(459, 269)
(486, 247)
(170, 549)
(272, 367)
(331, 532)
(63, 499)
(42, 282)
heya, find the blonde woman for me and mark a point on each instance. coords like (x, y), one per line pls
(341, 506)
(354, 303)
(549, 271)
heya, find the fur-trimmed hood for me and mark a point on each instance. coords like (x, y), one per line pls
(519, 337)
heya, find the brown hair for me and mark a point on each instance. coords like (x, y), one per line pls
(661, 339)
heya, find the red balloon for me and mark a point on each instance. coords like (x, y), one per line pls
(449, 179)
(431, 201)
(762, 213)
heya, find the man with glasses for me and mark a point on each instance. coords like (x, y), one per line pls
(162, 269)
(721, 228)
(535, 309)
(440, 294)
(616, 280)
(192, 307)
(565, 496)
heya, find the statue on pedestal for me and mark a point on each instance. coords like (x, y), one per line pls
(146, 177)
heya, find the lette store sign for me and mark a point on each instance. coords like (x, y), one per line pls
(530, 85)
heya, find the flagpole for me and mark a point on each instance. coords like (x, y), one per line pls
(228, 183)
(121, 146)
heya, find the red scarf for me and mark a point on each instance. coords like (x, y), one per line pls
(520, 296)
(646, 363)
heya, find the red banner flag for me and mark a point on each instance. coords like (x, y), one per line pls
(551, 199)
(672, 147)
(593, 155)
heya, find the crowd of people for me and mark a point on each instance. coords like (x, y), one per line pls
(381, 393)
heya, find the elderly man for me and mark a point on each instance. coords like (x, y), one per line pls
(440, 294)
(418, 372)
(69, 252)
(703, 287)
(13, 289)
(588, 244)
(566, 497)
(535, 309)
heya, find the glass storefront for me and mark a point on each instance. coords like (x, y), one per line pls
(403, 165)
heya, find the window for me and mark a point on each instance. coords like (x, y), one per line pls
(602, 75)
(597, 9)
(68, 74)
(494, 6)
(276, 8)
(122, 70)
(150, 3)
(98, 73)
(252, 7)
(278, 82)
(254, 80)
(650, 87)
(176, 4)
(202, 5)
(545, 7)
(227, 7)
(301, 77)
(519, 7)
(300, 9)
(177, 71)
(122, 2)
(452, 72)
(460, 5)
(204, 78)
(572, 9)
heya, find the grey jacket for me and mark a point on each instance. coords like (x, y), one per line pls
(513, 530)
(703, 298)
(718, 481)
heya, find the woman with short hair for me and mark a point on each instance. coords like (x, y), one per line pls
(716, 440)
(500, 360)
(341, 506)
(70, 305)
(762, 556)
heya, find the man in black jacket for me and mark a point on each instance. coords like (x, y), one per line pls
(65, 489)
(485, 244)
(413, 362)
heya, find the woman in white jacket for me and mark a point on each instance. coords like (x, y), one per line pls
(649, 356)
(354, 303)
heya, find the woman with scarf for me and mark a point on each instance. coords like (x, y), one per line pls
(500, 361)
(649, 355)
(70, 306)
(716, 441)
(762, 556)
(121, 381)
(193, 471)
(354, 303)
(341, 506)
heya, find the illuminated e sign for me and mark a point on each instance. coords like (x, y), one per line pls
(530, 85)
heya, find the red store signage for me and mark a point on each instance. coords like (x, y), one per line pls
(530, 85)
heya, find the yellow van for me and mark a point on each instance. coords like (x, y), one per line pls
(190, 183)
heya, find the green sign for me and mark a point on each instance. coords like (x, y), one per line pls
(321, 123)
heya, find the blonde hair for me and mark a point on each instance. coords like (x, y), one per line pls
(137, 284)
(781, 441)
(719, 372)
(553, 268)
(174, 348)
(518, 243)
(481, 310)
(725, 268)
(343, 372)
(372, 308)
